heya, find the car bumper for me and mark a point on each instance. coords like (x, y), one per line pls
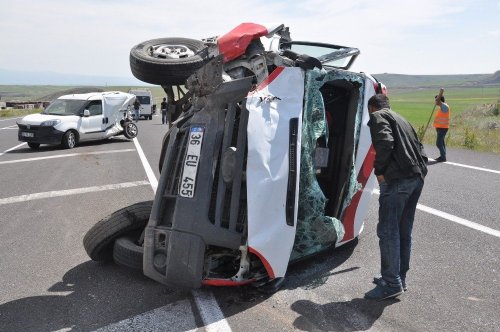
(39, 134)
(181, 228)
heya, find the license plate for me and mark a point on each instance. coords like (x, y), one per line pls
(25, 134)
(191, 162)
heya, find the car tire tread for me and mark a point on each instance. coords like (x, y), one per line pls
(165, 71)
(99, 240)
(127, 253)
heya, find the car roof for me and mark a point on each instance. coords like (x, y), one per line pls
(91, 95)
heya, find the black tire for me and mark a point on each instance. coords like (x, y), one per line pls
(69, 140)
(130, 131)
(126, 252)
(34, 146)
(99, 240)
(154, 69)
(150, 117)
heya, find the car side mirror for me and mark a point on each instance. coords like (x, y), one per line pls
(86, 113)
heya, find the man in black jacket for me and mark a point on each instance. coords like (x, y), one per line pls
(400, 167)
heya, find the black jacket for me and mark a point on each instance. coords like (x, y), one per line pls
(399, 153)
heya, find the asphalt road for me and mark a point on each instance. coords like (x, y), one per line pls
(50, 284)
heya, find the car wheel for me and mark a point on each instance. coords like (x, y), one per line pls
(69, 140)
(130, 130)
(34, 145)
(166, 61)
(150, 117)
(126, 252)
(99, 240)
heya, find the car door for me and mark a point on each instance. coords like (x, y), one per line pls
(93, 125)
(273, 163)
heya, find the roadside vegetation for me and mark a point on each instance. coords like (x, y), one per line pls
(475, 119)
(16, 112)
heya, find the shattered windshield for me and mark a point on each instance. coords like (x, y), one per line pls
(65, 107)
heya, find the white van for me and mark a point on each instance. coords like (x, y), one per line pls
(145, 97)
(79, 117)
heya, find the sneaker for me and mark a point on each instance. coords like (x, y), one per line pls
(380, 281)
(384, 292)
(440, 159)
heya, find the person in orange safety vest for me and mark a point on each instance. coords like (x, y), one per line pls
(441, 123)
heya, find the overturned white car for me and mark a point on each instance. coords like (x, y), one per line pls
(270, 160)
(73, 118)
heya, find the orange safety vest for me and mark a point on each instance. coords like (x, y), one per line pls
(442, 120)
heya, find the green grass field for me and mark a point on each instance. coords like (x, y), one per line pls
(474, 121)
(474, 124)
(416, 105)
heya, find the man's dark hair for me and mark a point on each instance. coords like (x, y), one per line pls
(442, 98)
(379, 101)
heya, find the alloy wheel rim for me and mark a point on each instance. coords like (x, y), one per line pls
(71, 140)
(167, 51)
(131, 129)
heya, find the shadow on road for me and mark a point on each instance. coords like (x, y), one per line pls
(314, 271)
(432, 162)
(354, 315)
(90, 296)
(309, 273)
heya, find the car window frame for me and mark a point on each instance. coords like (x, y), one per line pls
(338, 52)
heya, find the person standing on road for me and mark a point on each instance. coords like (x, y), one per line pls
(137, 109)
(164, 111)
(400, 167)
(441, 123)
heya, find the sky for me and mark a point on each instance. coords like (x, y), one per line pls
(94, 37)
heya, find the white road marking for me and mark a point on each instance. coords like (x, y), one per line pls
(172, 317)
(58, 193)
(11, 119)
(9, 127)
(149, 171)
(210, 312)
(471, 167)
(455, 219)
(459, 220)
(15, 147)
(64, 156)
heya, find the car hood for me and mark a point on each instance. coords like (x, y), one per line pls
(37, 119)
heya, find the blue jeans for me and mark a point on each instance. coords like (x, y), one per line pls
(164, 118)
(398, 202)
(441, 134)
(136, 115)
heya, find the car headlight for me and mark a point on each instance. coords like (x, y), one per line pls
(50, 123)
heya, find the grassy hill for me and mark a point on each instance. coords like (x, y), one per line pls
(474, 100)
(392, 81)
(50, 92)
(429, 81)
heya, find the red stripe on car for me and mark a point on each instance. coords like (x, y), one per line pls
(264, 261)
(363, 175)
(225, 282)
(269, 79)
